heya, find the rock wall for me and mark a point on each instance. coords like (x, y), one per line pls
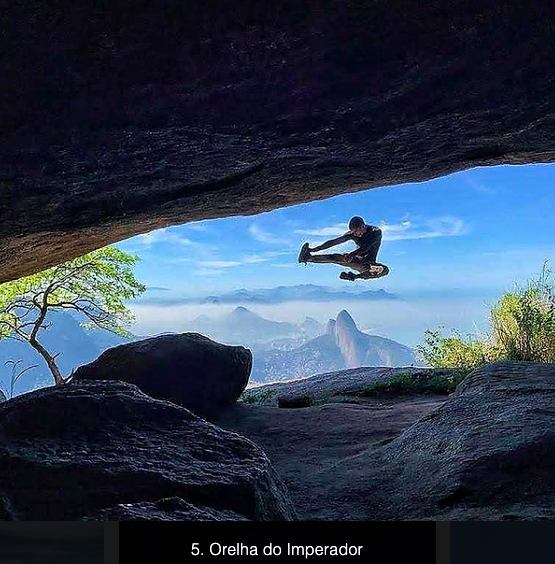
(117, 119)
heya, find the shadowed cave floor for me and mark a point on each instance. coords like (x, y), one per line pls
(309, 446)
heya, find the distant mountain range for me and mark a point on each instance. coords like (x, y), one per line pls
(342, 346)
(281, 350)
(66, 336)
(301, 292)
(244, 327)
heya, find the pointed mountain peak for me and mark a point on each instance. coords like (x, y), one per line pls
(344, 319)
(241, 311)
(330, 327)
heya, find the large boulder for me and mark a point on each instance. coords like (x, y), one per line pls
(338, 386)
(486, 453)
(188, 369)
(93, 449)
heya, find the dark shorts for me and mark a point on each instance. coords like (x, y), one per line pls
(360, 264)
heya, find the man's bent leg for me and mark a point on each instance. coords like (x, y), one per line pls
(335, 258)
(359, 266)
(371, 271)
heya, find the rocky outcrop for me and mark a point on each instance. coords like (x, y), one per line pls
(314, 448)
(105, 449)
(119, 119)
(338, 386)
(312, 326)
(168, 509)
(486, 453)
(350, 340)
(188, 369)
(2, 396)
(243, 326)
(330, 327)
(359, 349)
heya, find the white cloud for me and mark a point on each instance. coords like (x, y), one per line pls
(282, 265)
(161, 236)
(208, 272)
(218, 263)
(407, 229)
(477, 185)
(251, 259)
(330, 231)
(264, 236)
(177, 260)
(197, 226)
(280, 253)
(402, 320)
(509, 253)
(437, 227)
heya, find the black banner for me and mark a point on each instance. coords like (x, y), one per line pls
(307, 542)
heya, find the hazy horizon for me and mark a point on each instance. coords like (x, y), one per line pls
(403, 320)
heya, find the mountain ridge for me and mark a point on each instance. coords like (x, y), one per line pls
(280, 294)
(342, 346)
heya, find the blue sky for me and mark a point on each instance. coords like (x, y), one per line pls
(475, 231)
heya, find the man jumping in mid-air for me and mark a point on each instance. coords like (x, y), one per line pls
(368, 239)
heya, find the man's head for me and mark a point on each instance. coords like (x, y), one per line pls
(357, 226)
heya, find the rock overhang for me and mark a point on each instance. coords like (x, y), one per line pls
(120, 120)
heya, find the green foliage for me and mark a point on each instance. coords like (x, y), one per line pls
(248, 398)
(522, 327)
(253, 396)
(456, 351)
(416, 383)
(523, 322)
(95, 284)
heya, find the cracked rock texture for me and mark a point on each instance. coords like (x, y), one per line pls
(118, 118)
(102, 450)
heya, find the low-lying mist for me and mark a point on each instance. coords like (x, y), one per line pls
(402, 320)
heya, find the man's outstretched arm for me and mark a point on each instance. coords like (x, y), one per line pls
(331, 243)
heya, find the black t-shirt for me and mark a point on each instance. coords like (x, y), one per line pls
(369, 242)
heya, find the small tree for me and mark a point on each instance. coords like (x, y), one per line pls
(95, 285)
(522, 327)
(456, 351)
